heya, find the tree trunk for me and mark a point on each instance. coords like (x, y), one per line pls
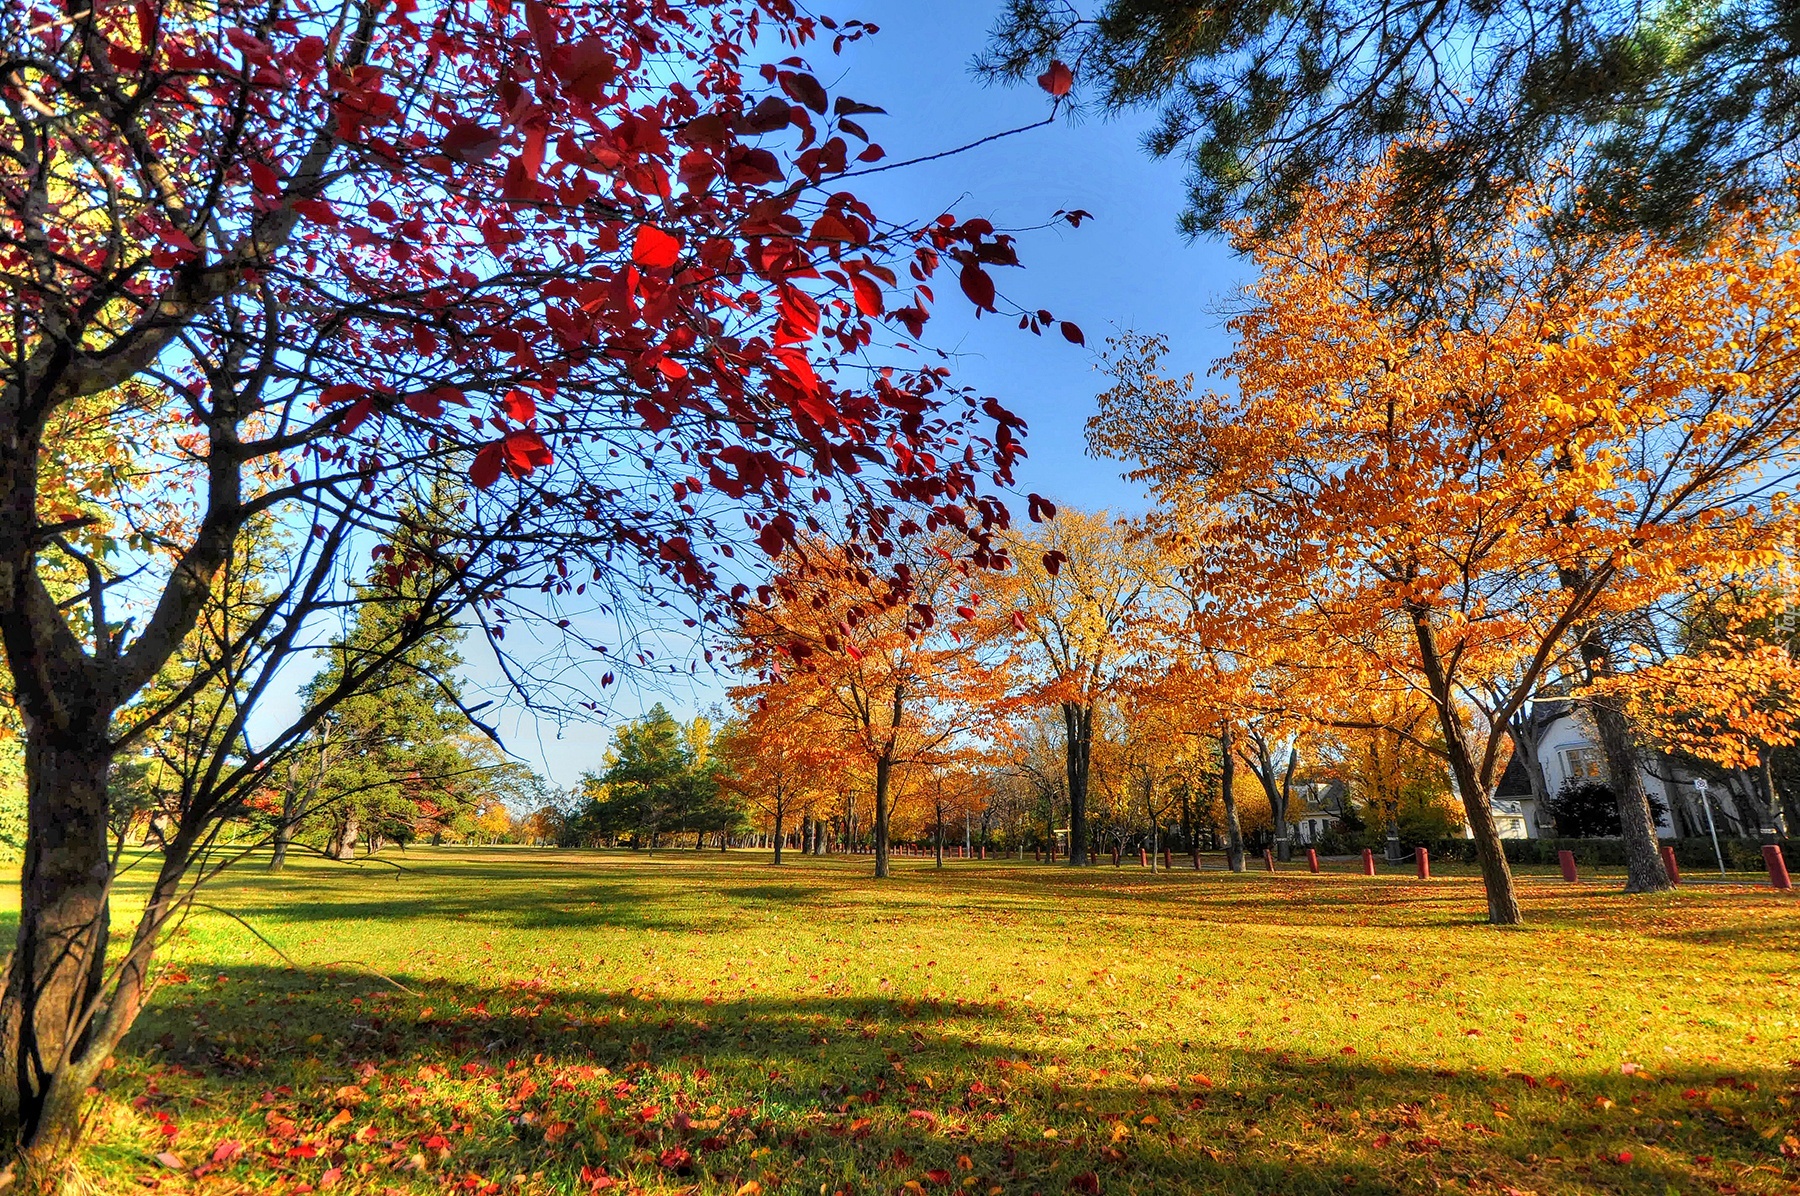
(284, 834)
(884, 769)
(1644, 872)
(1496, 873)
(1150, 812)
(1779, 819)
(1526, 742)
(1234, 830)
(779, 812)
(56, 972)
(343, 840)
(1078, 749)
(1277, 787)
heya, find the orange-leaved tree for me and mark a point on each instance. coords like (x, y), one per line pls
(1731, 696)
(774, 754)
(895, 684)
(1074, 589)
(1463, 487)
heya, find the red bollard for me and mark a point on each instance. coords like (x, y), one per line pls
(1423, 858)
(1143, 858)
(984, 851)
(1368, 862)
(1196, 859)
(1036, 855)
(1778, 873)
(1312, 859)
(1268, 859)
(1670, 866)
(1115, 857)
(1567, 860)
(1168, 861)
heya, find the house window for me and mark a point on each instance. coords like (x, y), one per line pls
(1584, 764)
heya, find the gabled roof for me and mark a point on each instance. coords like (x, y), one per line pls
(1515, 781)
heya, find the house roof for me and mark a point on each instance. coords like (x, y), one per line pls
(1514, 782)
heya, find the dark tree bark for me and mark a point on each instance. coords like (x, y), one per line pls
(1278, 787)
(884, 775)
(57, 967)
(1078, 752)
(884, 769)
(1644, 872)
(1471, 784)
(1234, 831)
(1527, 739)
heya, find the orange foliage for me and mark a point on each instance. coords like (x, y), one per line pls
(891, 684)
(1449, 490)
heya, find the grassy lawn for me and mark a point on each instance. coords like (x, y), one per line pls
(563, 1022)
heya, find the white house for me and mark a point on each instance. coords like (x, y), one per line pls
(1567, 750)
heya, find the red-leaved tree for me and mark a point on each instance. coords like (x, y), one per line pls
(549, 309)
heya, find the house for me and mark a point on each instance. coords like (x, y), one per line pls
(1567, 750)
(1317, 809)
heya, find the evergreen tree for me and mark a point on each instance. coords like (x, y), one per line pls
(392, 756)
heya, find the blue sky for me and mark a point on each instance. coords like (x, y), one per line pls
(1127, 269)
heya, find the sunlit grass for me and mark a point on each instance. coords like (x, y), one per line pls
(576, 1021)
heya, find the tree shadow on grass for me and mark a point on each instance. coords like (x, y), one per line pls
(466, 1086)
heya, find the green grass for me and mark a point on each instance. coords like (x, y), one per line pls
(698, 1022)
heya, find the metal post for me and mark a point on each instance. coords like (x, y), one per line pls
(1706, 804)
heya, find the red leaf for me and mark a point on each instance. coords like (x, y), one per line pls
(654, 249)
(485, 470)
(803, 89)
(1018, 620)
(868, 294)
(353, 418)
(939, 1177)
(470, 142)
(543, 26)
(1053, 563)
(1086, 1182)
(264, 179)
(525, 451)
(171, 1160)
(227, 1150)
(426, 406)
(519, 406)
(1058, 79)
(1041, 508)
(587, 68)
(967, 612)
(978, 286)
(1072, 333)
